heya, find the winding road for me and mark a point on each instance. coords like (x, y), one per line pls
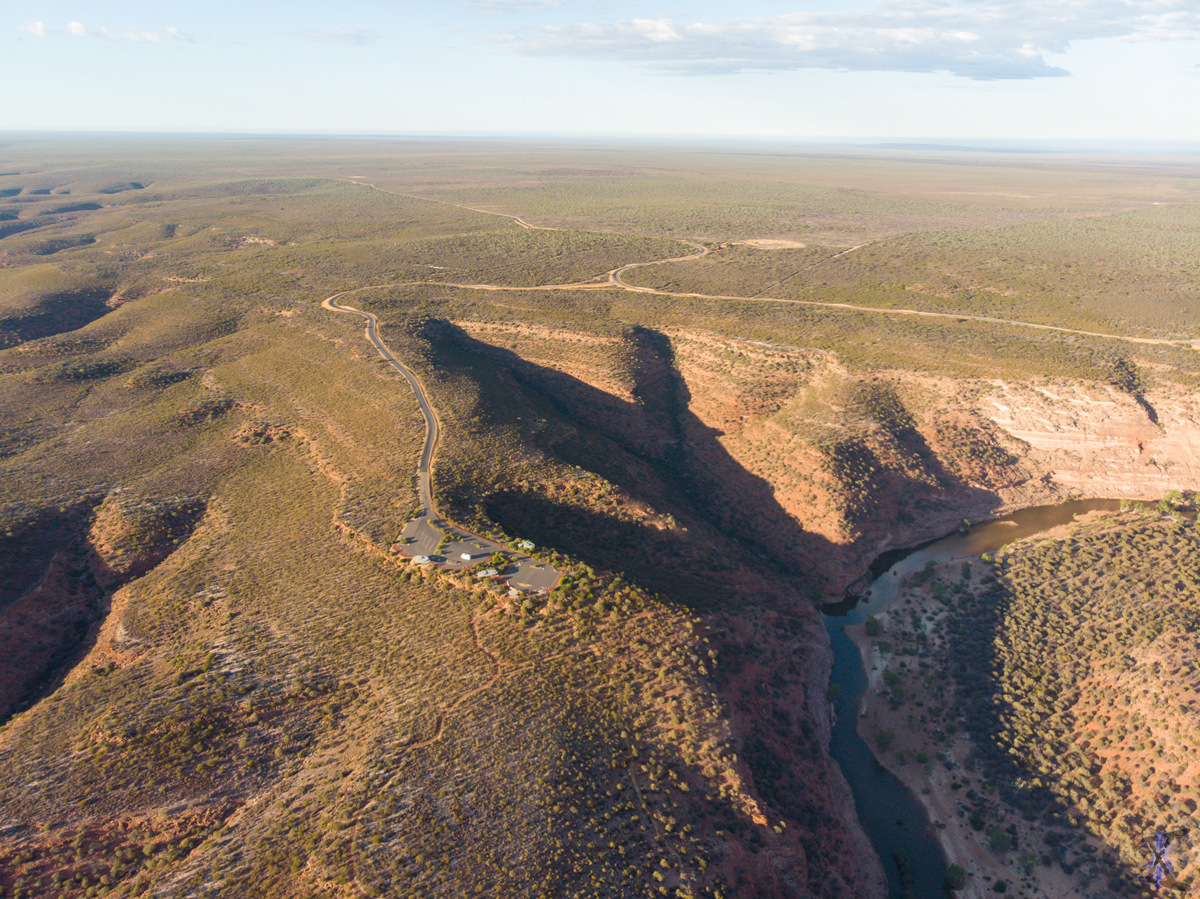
(433, 427)
(430, 536)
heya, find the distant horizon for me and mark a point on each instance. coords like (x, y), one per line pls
(932, 144)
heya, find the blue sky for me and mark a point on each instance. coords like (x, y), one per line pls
(1024, 70)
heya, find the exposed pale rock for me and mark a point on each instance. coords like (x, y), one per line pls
(1097, 440)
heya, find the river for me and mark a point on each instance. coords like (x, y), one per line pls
(892, 816)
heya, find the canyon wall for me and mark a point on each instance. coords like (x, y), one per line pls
(780, 476)
(1097, 440)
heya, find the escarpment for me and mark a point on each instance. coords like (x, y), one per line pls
(655, 496)
(779, 466)
(798, 460)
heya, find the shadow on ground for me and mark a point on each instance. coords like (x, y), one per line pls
(723, 520)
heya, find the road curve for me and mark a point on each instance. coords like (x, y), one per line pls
(433, 428)
(607, 279)
(429, 535)
(614, 277)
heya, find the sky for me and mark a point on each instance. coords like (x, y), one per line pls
(890, 70)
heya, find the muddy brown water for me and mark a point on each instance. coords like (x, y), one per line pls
(893, 817)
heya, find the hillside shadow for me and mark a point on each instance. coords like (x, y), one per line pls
(54, 314)
(660, 453)
(659, 561)
(55, 593)
(1151, 412)
(878, 402)
(49, 601)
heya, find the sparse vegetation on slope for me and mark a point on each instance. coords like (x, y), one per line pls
(1076, 669)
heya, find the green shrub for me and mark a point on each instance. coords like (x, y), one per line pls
(956, 877)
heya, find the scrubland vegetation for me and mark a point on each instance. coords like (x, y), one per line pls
(1090, 678)
(219, 680)
(1069, 663)
(1131, 273)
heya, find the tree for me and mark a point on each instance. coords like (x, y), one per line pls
(956, 877)
(1125, 377)
(1000, 841)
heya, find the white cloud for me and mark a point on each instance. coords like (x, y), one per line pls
(977, 39)
(126, 35)
(38, 29)
(346, 37)
(656, 30)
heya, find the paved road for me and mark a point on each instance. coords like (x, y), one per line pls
(432, 426)
(430, 536)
